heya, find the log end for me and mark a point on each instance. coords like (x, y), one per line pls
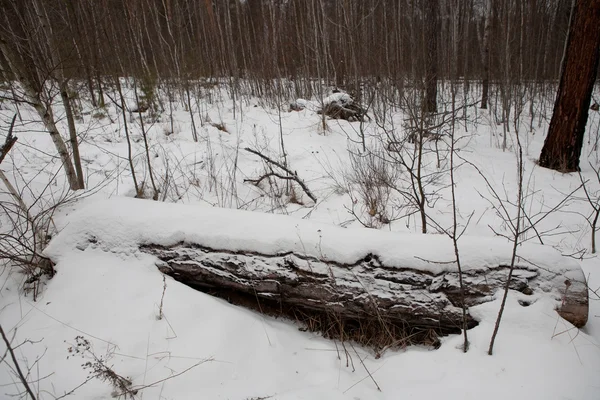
(577, 314)
(575, 301)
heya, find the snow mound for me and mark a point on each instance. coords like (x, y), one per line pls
(123, 224)
(112, 298)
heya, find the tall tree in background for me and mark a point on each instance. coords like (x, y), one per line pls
(58, 74)
(485, 54)
(431, 67)
(562, 147)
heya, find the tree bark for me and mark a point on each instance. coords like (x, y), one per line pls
(485, 55)
(44, 112)
(431, 67)
(368, 290)
(64, 95)
(562, 147)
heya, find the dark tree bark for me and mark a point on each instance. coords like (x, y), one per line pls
(431, 68)
(562, 147)
(485, 55)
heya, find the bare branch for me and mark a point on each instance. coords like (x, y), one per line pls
(291, 175)
(16, 364)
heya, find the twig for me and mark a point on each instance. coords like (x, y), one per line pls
(16, 363)
(70, 392)
(172, 376)
(365, 367)
(291, 175)
(162, 299)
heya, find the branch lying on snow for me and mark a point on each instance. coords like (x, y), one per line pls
(291, 175)
(268, 175)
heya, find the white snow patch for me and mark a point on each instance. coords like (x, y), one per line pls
(122, 224)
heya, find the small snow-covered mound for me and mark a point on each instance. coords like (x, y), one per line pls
(342, 98)
(337, 105)
(125, 223)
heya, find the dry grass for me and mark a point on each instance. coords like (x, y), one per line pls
(376, 334)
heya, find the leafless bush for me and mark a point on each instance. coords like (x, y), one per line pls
(26, 229)
(98, 368)
(220, 166)
(370, 184)
(22, 240)
(145, 136)
(422, 161)
(21, 375)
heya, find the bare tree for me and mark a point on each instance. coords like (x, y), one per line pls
(517, 229)
(58, 74)
(593, 199)
(18, 53)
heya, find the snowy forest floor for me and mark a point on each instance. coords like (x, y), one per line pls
(102, 307)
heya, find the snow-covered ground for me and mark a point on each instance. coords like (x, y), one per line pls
(110, 294)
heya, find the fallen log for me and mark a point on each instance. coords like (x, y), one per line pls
(340, 105)
(378, 288)
(390, 299)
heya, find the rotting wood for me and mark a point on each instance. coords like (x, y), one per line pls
(366, 297)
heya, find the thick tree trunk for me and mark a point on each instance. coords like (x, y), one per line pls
(367, 291)
(562, 147)
(431, 67)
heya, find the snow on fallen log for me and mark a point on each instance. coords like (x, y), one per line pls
(344, 281)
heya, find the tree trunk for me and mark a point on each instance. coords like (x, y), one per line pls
(562, 147)
(45, 112)
(47, 117)
(64, 95)
(59, 75)
(368, 291)
(485, 55)
(431, 67)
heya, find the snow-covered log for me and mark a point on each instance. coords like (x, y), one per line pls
(363, 290)
(295, 266)
(340, 105)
